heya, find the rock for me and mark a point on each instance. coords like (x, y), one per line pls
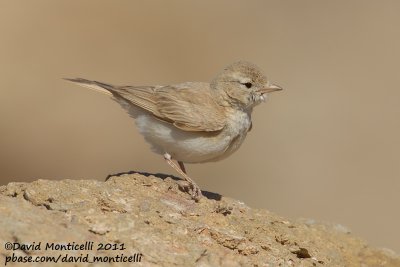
(151, 220)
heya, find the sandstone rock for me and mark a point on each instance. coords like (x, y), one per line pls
(150, 218)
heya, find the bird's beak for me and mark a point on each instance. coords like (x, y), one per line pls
(269, 88)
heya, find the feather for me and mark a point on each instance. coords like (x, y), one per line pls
(188, 106)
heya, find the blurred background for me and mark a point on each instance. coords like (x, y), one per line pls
(327, 147)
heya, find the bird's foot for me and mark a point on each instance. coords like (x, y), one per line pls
(190, 188)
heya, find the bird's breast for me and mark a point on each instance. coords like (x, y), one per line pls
(238, 124)
(195, 147)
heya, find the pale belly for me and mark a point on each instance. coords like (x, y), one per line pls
(193, 147)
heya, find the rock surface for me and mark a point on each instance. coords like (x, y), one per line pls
(150, 218)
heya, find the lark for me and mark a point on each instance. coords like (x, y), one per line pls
(194, 122)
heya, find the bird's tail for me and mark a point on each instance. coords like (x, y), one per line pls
(93, 85)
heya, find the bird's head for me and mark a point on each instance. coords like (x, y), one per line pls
(244, 85)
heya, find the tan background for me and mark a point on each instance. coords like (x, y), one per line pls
(326, 148)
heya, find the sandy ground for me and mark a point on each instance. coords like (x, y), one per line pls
(151, 217)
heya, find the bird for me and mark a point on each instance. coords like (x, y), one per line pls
(193, 122)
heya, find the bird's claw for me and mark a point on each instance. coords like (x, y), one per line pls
(191, 188)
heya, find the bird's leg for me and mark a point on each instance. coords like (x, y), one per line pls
(182, 166)
(186, 185)
(196, 192)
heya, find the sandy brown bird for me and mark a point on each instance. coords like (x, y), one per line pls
(194, 122)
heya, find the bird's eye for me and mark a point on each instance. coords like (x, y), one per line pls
(248, 85)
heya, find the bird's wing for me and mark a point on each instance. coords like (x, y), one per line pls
(141, 96)
(189, 106)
